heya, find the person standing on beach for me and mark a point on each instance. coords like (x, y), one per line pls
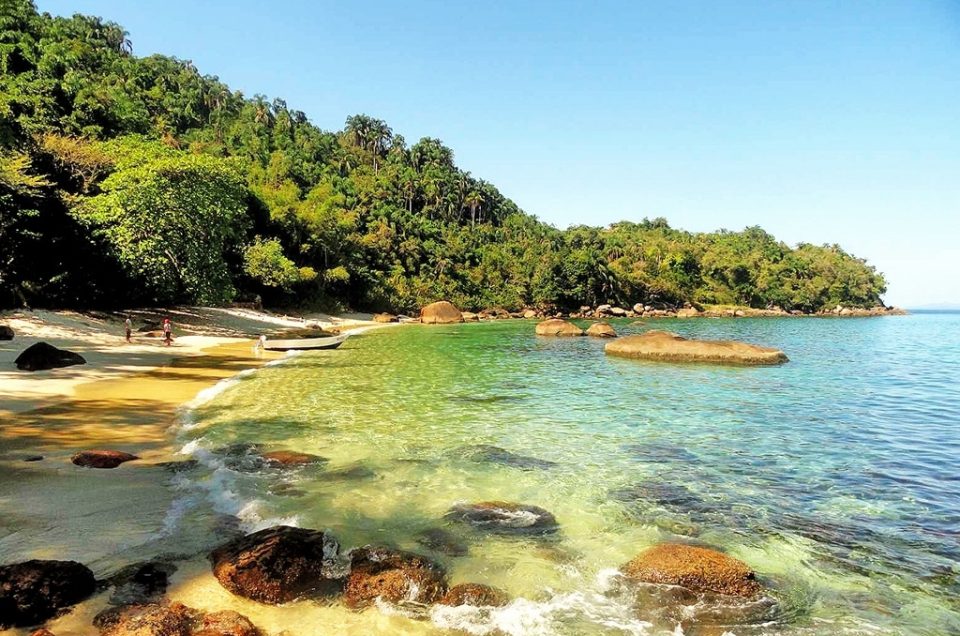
(167, 331)
(128, 325)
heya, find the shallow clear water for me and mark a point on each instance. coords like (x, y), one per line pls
(834, 476)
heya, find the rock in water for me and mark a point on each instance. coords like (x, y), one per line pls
(34, 591)
(666, 346)
(102, 458)
(6, 332)
(557, 327)
(504, 517)
(225, 623)
(440, 313)
(291, 459)
(394, 576)
(152, 619)
(695, 568)
(278, 565)
(442, 541)
(141, 582)
(601, 330)
(475, 594)
(42, 356)
(497, 455)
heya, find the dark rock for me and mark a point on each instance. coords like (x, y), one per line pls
(33, 458)
(152, 619)
(278, 565)
(348, 473)
(439, 540)
(6, 332)
(497, 455)
(394, 576)
(675, 496)
(101, 458)
(151, 326)
(179, 466)
(34, 591)
(695, 568)
(503, 517)
(141, 583)
(42, 356)
(291, 459)
(475, 594)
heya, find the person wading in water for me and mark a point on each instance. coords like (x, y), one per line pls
(167, 331)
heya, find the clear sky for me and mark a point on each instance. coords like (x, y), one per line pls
(824, 122)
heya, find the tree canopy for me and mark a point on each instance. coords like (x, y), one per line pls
(129, 179)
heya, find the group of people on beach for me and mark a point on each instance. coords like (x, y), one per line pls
(166, 325)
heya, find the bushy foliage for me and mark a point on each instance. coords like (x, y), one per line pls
(140, 179)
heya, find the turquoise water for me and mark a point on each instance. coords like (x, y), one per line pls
(834, 476)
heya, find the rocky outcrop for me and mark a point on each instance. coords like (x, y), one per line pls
(440, 313)
(42, 356)
(278, 565)
(34, 591)
(601, 330)
(695, 568)
(6, 332)
(394, 576)
(291, 459)
(530, 313)
(384, 318)
(469, 316)
(475, 594)
(557, 327)
(102, 458)
(666, 346)
(688, 312)
(505, 517)
(494, 313)
(173, 619)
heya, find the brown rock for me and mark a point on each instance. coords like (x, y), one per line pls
(475, 594)
(6, 332)
(687, 312)
(277, 565)
(469, 316)
(42, 632)
(695, 568)
(666, 346)
(440, 313)
(33, 591)
(225, 623)
(505, 517)
(529, 313)
(601, 330)
(102, 458)
(394, 576)
(557, 327)
(384, 318)
(153, 619)
(291, 459)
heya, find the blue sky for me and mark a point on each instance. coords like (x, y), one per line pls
(825, 122)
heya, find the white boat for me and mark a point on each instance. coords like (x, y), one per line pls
(327, 342)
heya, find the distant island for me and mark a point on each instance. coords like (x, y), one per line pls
(134, 181)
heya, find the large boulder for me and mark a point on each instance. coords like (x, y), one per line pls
(42, 356)
(666, 346)
(440, 313)
(102, 458)
(695, 568)
(557, 327)
(278, 565)
(505, 517)
(152, 619)
(394, 576)
(475, 594)
(601, 330)
(33, 591)
(6, 332)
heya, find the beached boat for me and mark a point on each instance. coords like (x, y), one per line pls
(327, 342)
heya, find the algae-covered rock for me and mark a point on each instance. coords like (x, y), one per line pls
(695, 568)
(666, 346)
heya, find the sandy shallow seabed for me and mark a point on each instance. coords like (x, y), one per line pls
(126, 398)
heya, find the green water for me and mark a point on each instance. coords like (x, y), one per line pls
(833, 476)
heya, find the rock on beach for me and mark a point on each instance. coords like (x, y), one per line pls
(670, 347)
(34, 591)
(440, 313)
(42, 356)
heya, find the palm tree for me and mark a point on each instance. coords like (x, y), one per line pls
(474, 201)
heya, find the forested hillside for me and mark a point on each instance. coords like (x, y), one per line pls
(132, 180)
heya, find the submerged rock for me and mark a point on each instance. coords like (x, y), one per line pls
(504, 517)
(141, 582)
(349, 473)
(42, 356)
(558, 327)
(394, 576)
(675, 496)
(497, 455)
(6, 332)
(440, 313)
(278, 565)
(666, 346)
(291, 459)
(601, 330)
(440, 540)
(33, 591)
(475, 594)
(102, 458)
(657, 451)
(696, 568)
